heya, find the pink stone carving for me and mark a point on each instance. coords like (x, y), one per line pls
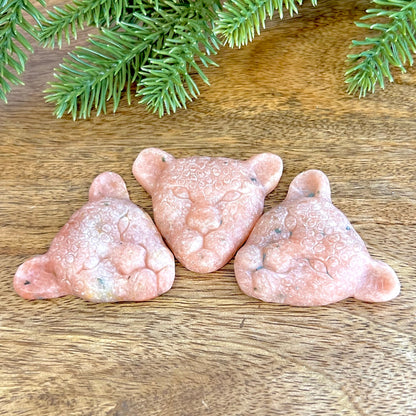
(109, 251)
(205, 207)
(305, 252)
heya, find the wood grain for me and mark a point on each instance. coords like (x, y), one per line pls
(204, 348)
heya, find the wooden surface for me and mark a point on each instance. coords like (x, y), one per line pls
(204, 348)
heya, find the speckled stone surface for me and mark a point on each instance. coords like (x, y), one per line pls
(305, 252)
(109, 251)
(205, 207)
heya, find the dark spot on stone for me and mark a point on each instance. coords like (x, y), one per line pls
(311, 195)
(260, 267)
(253, 179)
(281, 298)
(163, 159)
(26, 282)
(348, 228)
(101, 281)
(277, 230)
(290, 233)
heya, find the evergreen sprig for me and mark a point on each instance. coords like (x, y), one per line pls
(13, 44)
(158, 48)
(166, 82)
(153, 48)
(240, 20)
(395, 20)
(90, 77)
(63, 23)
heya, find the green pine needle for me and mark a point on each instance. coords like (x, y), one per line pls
(63, 23)
(13, 44)
(92, 76)
(166, 83)
(241, 20)
(393, 47)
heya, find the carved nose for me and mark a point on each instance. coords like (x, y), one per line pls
(204, 219)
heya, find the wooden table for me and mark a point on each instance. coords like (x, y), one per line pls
(205, 348)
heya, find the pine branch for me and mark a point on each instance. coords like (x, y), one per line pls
(13, 44)
(240, 20)
(393, 47)
(166, 83)
(62, 23)
(117, 58)
(91, 76)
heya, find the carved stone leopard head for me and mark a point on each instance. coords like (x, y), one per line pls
(205, 207)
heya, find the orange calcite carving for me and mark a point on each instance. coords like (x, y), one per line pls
(305, 252)
(109, 251)
(205, 207)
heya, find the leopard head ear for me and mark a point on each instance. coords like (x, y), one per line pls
(35, 279)
(268, 169)
(148, 166)
(311, 183)
(380, 283)
(108, 184)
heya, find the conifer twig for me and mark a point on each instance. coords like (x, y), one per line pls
(13, 44)
(63, 22)
(161, 46)
(154, 49)
(394, 45)
(240, 20)
(166, 83)
(92, 76)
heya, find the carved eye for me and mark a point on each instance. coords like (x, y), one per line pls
(181, 192)
(231, 196)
